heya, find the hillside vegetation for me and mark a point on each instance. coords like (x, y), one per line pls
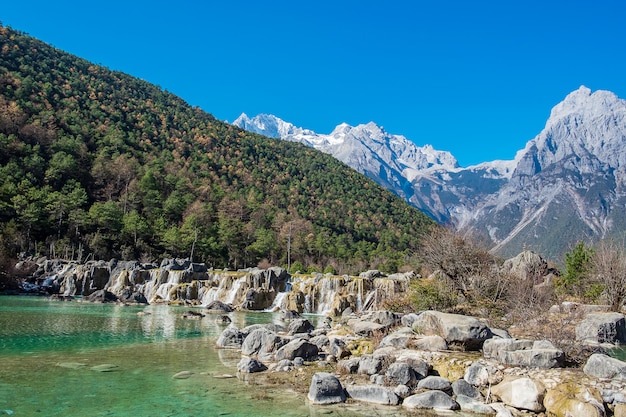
(97, 163)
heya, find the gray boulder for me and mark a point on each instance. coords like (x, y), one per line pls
(457, 329)
(602, 328)
(321, 341)
(300, 326)
(480, 375)
(297, 348)
(432, 343)
(371, 274)
(384, 317)
(431, 399)
(231, 337)
(217, 305)
(528, 353)
(493, 347)
(401, 374)
(400, 339)
(370, 365)
(435, 383)
(262, 342)
(325, 388)
(473, 406)
(402, 391)
(366, 328)
(408, 319)
(349, 366)
(373, 394)
(419, 366)
(250, 365)
(603, 366)
(462, 387)
(337, 348)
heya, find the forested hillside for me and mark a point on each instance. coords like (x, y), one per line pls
(97, 163)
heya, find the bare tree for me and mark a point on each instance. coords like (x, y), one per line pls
(609, 270)
(458, 260)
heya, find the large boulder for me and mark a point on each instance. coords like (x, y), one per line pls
(526, 265)
(462, 387)
(262, 342)
(528, 353)
(429, 400)
(366, 328)
(432, 343)
(231, 337)
(250, 365)
(373, 394)
(522, 393)
(400, 373)
(384, 317)
(602, 328)
(573, 400)
(454, 328)
(370, 364)
(481, 375)
(217, 305)
(433, 382)
(297, 348)
(300, 326)
(325, 388)
(603, 366)
(338, 348)
(400, 339)
(371, 274)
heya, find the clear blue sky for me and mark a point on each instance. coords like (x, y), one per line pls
(476, 78)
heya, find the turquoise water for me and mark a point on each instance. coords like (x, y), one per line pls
(82, 359)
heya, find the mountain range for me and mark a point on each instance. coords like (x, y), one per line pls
(568, 184)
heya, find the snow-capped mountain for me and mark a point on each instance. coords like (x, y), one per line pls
(567, 184)
(391, 160)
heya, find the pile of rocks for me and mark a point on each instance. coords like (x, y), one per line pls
(438, 361)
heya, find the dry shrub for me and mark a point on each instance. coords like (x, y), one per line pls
(525, 301)
(431, 294)
(398, 303)
(264, 264)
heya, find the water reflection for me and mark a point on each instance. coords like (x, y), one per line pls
(46, 347)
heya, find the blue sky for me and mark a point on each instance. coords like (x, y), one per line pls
(476, 78)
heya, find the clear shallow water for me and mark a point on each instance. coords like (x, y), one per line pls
(52, 357)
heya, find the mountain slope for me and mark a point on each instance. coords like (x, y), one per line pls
(97, 163)
(566, 185)
(569, 182)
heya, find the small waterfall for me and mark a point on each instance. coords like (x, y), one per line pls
(278, 301)
(230, 299)
(70, 286)
(358, 283)
(324, 293)
(163, 290)
(150, 287)
(225, 292)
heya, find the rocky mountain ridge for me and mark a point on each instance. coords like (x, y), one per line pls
(566, 185)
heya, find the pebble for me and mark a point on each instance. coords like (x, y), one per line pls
(183, 375)
(105, 367)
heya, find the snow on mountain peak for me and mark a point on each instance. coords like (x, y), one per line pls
(583, 101)
(269, 125)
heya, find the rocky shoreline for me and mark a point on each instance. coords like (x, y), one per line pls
(432, 361)
(428, 360)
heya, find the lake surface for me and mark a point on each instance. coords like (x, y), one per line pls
(81, 359)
